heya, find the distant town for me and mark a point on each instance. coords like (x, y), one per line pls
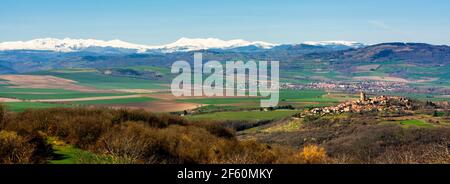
(367, 86)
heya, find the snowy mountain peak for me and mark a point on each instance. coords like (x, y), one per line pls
(68, 45)
(335, 44)
(189, 44)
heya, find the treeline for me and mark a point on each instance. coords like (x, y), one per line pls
(134, 136)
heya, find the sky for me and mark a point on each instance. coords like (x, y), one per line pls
(276, 21)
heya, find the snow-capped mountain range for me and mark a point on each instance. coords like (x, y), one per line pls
(69, 45)
(335, 44)
(188, 44)
(183, 44)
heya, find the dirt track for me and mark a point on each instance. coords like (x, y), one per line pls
(9, 100)
(87, 99)
(158, 106)
(378, 78)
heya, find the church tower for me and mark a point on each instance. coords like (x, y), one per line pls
(362, 97)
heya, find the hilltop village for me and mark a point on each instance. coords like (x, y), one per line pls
(364, 104)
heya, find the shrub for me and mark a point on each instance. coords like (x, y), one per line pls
(141, 143)
(185, 144)
(416, 154)
(313, 154)
(85, 131)
(2, 114)
(367, 143)
(131, 141)
(252, 152)
(14, 149)
(216, 128)
(154, 120)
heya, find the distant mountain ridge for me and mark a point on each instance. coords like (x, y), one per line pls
(181, 45)
(420, 53)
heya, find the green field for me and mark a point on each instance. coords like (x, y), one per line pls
(410, 123)
(76, 70)
(100, 81)
(423, 97)
(115, 101)
(68, 154)
(39, 94)
(419, 123)
(244, 115)
(285, 96)
(215, 108)
(301, 94)
(162, 70)
(221, 101)
(22, 106)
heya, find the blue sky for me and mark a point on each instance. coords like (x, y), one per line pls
(282, 21)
